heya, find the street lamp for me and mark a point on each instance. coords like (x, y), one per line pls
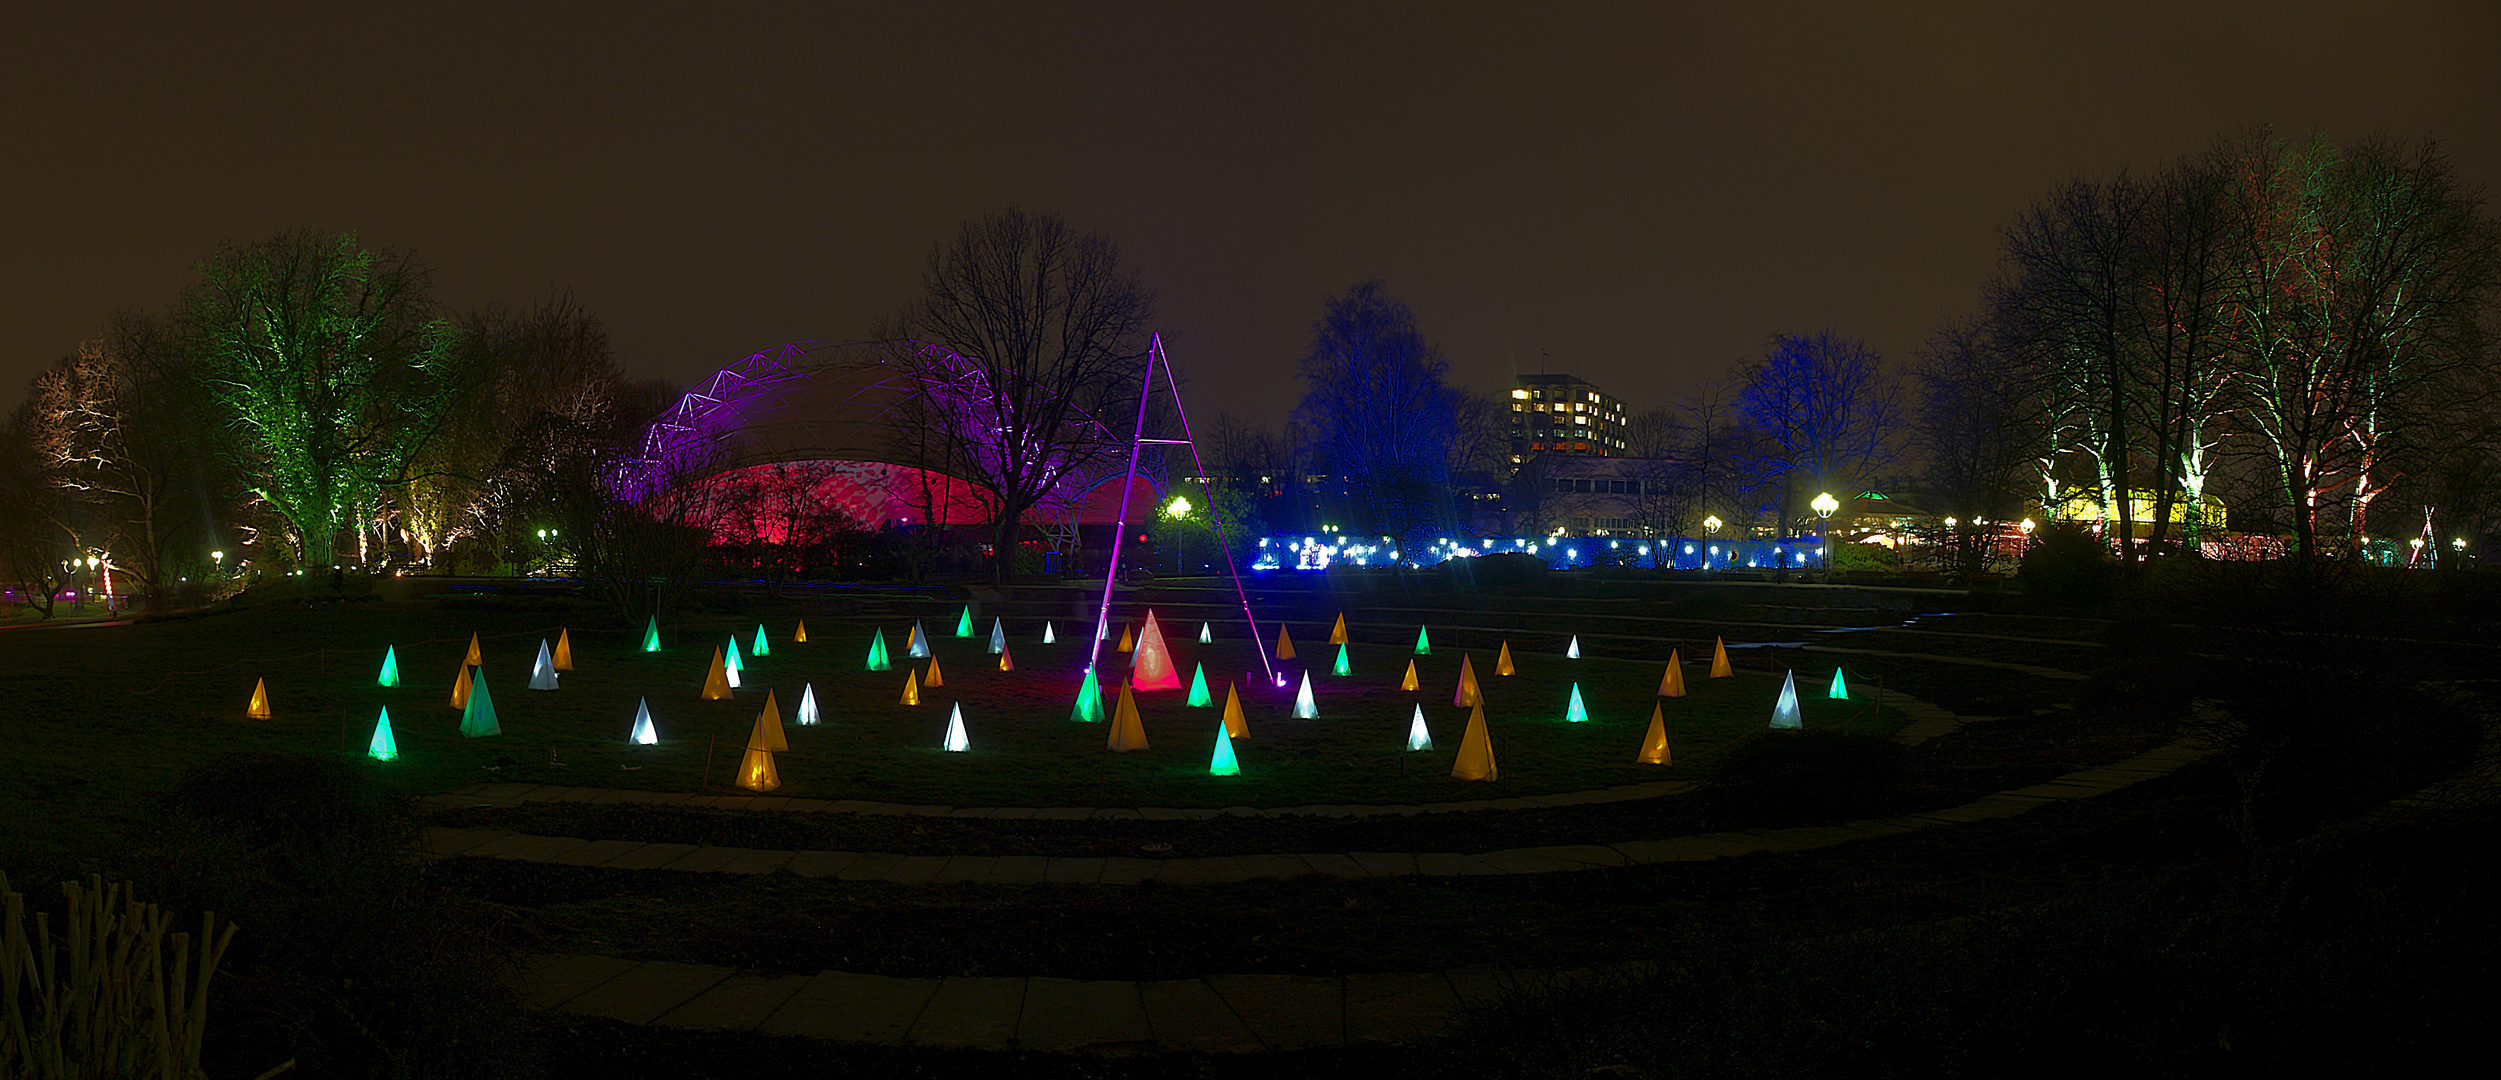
(1825, 505)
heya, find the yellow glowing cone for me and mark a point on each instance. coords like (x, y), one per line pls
(1337, 634)
(1672, 684)
(473, 660)
(768, 733)
(1128, 731)
(935, 677)
(716, 681)
(1467, 694)
(1006, 662)
(1719, 660)
(564, 650)
(1654, 744)
(1476, 750)
(1285, 644)
(1502, 663)
(911, 688)
(460, 688)
(1409, 682)
(1127, 643)
(756, 771)
(800, 636)
(1234, 724)
(258, 709)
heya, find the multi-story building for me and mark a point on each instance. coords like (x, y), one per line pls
(1561, 414)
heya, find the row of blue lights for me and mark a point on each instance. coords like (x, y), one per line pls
(1317, 553)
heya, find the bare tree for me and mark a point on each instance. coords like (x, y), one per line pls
(113, 427)
(1979, 431)
(1373, 395)
(1055, 330)
(1827, 412)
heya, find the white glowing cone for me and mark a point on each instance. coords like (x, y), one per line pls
(644, 734)
(955, 731)
(1304, 707)
(1417, 737)
(807, 705)
(543, 673)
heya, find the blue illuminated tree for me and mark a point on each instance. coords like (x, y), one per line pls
(1828, 415)
(1375, 402)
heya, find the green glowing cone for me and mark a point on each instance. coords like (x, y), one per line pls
(651, 635)
(383, 747)
(1223, 763)
(877, 652)
(477, 715)
(730, 656)
(1342, 667)
(1840, 689)
(1785, 713)
(1423, 642)
(964, 622)
(763, 647)
(390, 669)
(1577, 712)
(1198, 688)
(1089, 700)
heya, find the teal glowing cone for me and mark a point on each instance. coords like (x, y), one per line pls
(1577, 712)
(390, 669)
(763, 647)
(1840, 690)
(731, 657)
(383, 747)
(1785, 712)
(651, 635)
(1089, 700)
(1342, 668)
(877, 652)
(1198, 688)
(477, 715)
(964, 622)
(1423, 642)
(1223, 763)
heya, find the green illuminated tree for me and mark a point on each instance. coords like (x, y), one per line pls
(332, 361)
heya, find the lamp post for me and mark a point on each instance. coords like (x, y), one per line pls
(1825, 505)
(1711, 524)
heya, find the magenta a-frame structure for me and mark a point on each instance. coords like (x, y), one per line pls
(1137, 439)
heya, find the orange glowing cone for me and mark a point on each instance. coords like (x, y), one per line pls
(1502, 663)
(1719, 660)
(564, 650)
(768, 733)
(716, 681)
(1476, 750)
(756, 771)
(936, 678)
(911, 688)
(1285, 644)
(1337, 634)
(1409, 682)
(1672, 684)
(800, 636)
(1006, 663)
(1467, 694)
(1654, 744)
(460, 688)
(258, 709)
(1128, 731)
(1127, 643)
(473, 659)
(1234, 725)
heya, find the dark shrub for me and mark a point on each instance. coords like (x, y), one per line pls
(1822, 775)
(2067, 566)
(1508, 572)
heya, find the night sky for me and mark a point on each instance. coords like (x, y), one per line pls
(1639, 194)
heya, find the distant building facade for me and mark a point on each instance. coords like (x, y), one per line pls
(1562, 414)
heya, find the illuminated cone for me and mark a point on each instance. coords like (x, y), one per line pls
(911, 688)
(1572, 651)
(1151, 667)
(564, 650)
(1476, 750)
(1233, 719)
(390, 667)
(473, 659)
(768, 733)
(1502, 662)
(1006, 663)
(1206, 633)
(644, 733)
(1089, 707)
(477, 719)
(460, 688)
(936, 677)
(1128, 731)
(1304, 707)
(1418, 738)
(800, 635)
(1127, 643)
(1467, 694)
(735, 664)
(1223, 763)
(1199, 696)
(998, 636)
(964, 623)
(716, 680)
(1719, 660)
(1840, 689)
(383, 747)
(807, 706)
(762, 647)
(1047, 636)
(756, 771)
(1409, 683)
(1785, 712)
(543, 670)
(651, 635)
(956, 742)
(1672, 683)
(1342, 668)
(1423, 642)
(917, 646)
(877, 660)
(1576, 712)
(1337, 634)
(1654, 744)
(1285, 644)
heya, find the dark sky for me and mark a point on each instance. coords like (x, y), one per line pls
(1639, 194)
